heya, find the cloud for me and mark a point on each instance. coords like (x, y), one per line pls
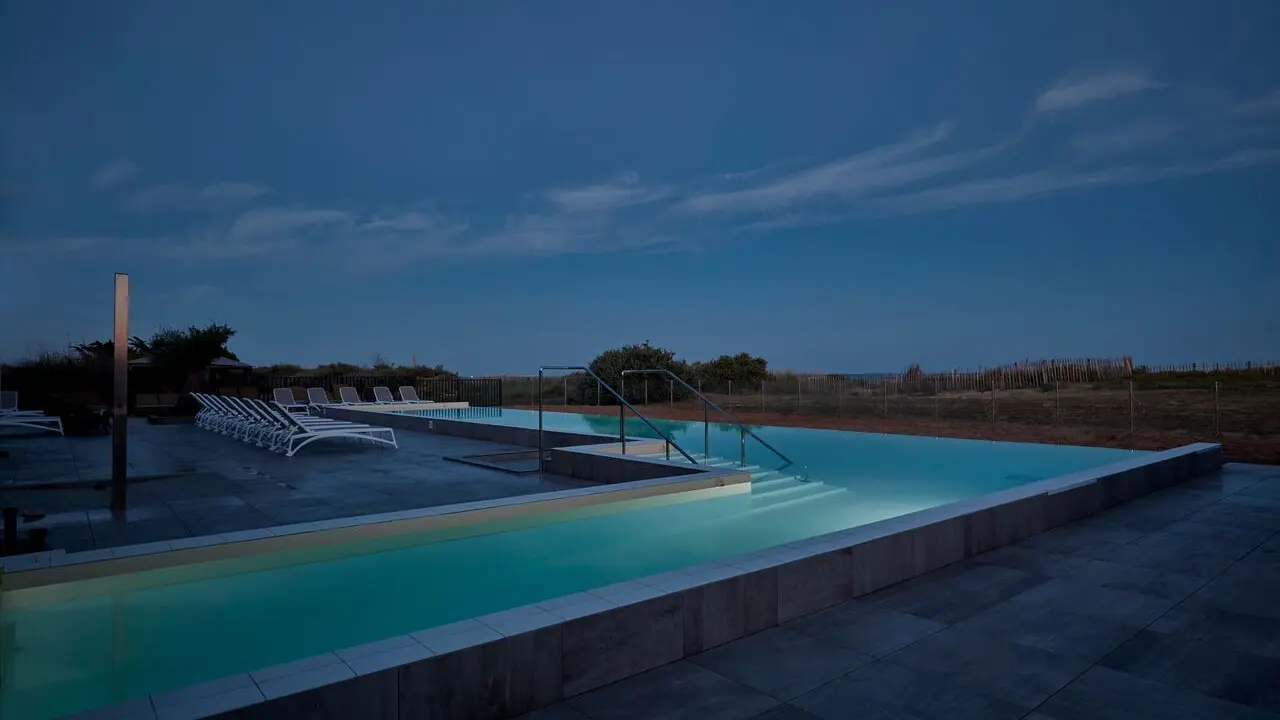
(1071, 94)
(1125, 138)
(160, 197)
(113, 174)
(1041, 183)
(172, 197)
(1268, 104)
(232, 191)
(626, 191)
(887, 166)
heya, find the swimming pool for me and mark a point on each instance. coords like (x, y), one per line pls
(68, 648)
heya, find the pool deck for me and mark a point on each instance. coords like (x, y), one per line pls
(1166, 607)
(195, 483)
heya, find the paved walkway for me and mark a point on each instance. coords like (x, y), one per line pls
(1165, 608)
(205, 484)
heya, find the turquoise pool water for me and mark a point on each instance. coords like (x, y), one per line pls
(83, 645)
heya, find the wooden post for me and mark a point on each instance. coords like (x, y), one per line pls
(120, 401)
(1057, 408)
(993, 401)
(761, 396)
(671, 392)
(1217, 423)
(885, 398)
(1131, 421)
(799, 384)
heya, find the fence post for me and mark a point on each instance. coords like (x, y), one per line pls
(886, 397)
(1131, 421)
(646, 391)
(730, 401)
(839, 396)
(1057, 409)
(993, 401)
(566, 391)
(935, 403)
(1217, 423)
(597, 394)
(671, 392)
(799, 385)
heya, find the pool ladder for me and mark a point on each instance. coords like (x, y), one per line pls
(743, 431)
(623, 406)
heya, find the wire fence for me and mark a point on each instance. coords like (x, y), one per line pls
(1208, 408)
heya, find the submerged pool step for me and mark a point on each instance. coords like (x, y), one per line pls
(798, 494)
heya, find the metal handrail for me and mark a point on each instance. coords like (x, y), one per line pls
(743, 430)
(622, 417)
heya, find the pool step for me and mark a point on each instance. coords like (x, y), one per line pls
(775, 500)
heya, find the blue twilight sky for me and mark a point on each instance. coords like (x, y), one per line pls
(837, 186)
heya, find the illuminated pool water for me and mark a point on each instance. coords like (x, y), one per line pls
(76, 646)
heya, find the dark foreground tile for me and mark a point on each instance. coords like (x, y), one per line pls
(866, 629)
(1106, 694)
(1008, 671)
(884, 690)
(1208, 667)
(781, 662)
(680, 691)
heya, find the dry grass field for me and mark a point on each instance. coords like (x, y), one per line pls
(1244, 417)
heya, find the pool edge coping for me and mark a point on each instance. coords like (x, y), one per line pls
(920, 542)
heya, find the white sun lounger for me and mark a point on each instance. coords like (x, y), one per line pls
(302, 432)
(410, 395)
(382, 395)
(348, 395)
(9, 405)
(317, 397)
(11, 416)
(273, 426)
(31, 421)
(284, 396)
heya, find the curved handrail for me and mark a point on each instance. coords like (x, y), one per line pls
(707, 401)
(622, 426)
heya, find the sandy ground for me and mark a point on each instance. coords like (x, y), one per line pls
(1237, 446)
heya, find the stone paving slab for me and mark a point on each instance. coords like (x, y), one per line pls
(214, 484)
(1165, 608)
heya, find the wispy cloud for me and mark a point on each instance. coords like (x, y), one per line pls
(1041, 183)
(1068, 94)
(232, 191)
(887, 166)
(113, 174)
(625, 191)
(173, 197)
(1268, 104)
(928, 171)
(1126, 138)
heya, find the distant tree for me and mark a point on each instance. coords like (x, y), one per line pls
(743, 370)
(380, 363)
(340, 368)
(608, 366)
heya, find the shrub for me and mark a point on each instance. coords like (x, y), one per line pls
(608, 366)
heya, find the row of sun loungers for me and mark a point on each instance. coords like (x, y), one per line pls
(12, 417)
(318, 398)
(277, 427)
